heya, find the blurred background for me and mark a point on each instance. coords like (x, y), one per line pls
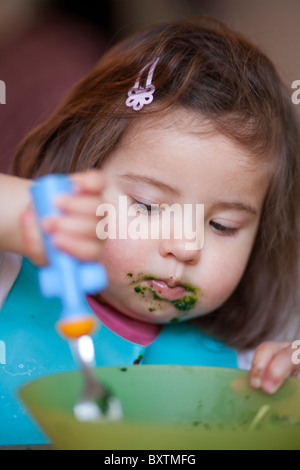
(46, 46)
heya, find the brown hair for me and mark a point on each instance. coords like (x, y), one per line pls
(208, 69)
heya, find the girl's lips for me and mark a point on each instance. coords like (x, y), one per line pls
(165, 291)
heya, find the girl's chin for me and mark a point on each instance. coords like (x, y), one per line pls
(159, 318)
(147, 317)
(161, 314)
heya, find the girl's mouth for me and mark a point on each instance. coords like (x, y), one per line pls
(182, 296)
(167, 290)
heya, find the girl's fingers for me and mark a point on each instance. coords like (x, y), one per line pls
(86, 199)
(78, 246)
(73, 225)
(74, 231)
(280, 368)
(78, 204)
(272, 364)
(92, 181)
(262, 357)
(72, 235)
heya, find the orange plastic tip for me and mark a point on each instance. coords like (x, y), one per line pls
(77, 327)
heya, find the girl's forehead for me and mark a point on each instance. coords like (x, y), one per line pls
(179, 130)
(176, 119)
(186, 154)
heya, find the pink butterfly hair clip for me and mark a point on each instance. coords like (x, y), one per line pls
(139, 96)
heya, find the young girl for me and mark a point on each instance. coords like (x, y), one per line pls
(180, 113)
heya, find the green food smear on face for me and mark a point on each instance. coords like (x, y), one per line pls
(183, 304)
(186, 303)
(190, 288)
(174, 320)
(155, 294)
(138, 289)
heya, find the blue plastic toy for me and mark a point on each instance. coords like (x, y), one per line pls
(66, 277)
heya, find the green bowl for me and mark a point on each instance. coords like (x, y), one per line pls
(170, 407)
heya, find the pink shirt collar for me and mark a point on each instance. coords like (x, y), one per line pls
(133, 330)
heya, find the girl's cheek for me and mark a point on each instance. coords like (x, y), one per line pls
(121, 256)
(221, 283)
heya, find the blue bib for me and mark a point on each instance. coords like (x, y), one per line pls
(30, 347)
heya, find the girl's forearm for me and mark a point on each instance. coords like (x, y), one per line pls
(14, 200)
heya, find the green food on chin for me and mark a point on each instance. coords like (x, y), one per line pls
(174, 320)
(186, 303)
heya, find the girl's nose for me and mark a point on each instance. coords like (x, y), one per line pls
(179, 249)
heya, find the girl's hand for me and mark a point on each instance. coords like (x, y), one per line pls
(75, 230)
(273, 363)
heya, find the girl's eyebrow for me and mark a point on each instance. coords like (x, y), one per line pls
(238, 206)
(152, 181)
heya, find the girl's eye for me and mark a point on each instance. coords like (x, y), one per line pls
(222, 229)
(146, 208)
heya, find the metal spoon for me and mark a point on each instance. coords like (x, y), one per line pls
(70, 280)
(96, 401)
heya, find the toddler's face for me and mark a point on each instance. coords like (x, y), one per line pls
(174, 160)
